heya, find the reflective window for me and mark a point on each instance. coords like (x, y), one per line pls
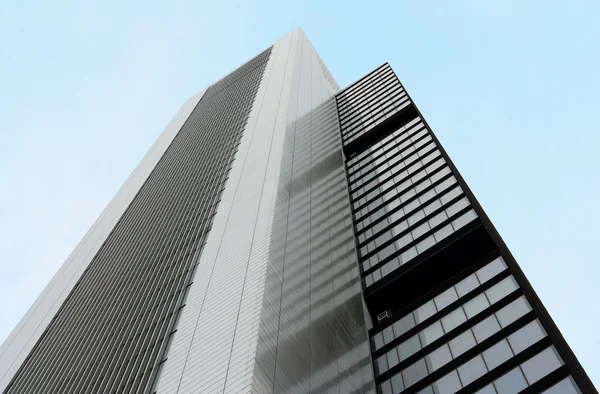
(466, 285)
(526, 336)
(437, 358)
(449, 384)
(497, 354)
(476, 305)
(409, 347)
(486, 328)
(392, 358)
(565, 386)
(454, 319)
(501, 289)
(513, 311)
(462, 343)
(446, 298)
(491, 270)
(472, 370)
(414, 373)
(397, 383)
(431, 333)
(511, 383)
(425, 311)
(541, 365)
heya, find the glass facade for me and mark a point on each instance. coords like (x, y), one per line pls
(285, 236)
(451, 310)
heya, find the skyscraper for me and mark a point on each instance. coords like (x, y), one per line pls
(283, 235)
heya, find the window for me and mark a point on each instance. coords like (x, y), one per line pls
(486, 328)
(497, 354)
(511, 383)
(472, 370)
(439, 357)
(462, 343)
(541, 365)
(526, 336)
(513, 311)
(449, 384)
(565, 386)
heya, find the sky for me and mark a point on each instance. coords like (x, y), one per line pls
(511, 89)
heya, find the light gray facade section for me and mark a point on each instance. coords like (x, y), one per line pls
(261, 296)
(24, 336)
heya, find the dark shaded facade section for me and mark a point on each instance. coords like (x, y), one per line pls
(111, 332)
(453, 312)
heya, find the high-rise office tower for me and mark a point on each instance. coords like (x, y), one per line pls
(283, 235)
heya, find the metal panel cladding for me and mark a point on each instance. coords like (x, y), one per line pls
(276, 301)
(110, 333)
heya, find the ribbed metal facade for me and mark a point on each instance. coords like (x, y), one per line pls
(110, 333)
(276, 303)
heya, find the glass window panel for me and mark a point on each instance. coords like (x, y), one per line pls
(489, 389)
(501, 289)
(492, 269)
(497, 354)
(443, 232)
(392, 358)
(426, 390)
(381, 364)
(454, 319)
(425, 244)
(526, 336)
(388, 335)
(409, 347)
(472, 370)
(445, 299)
(414, 373)
(386, 387)
(565, 386)
(378, 340)
(513, 311)
(431, 333)
(449, 384)
(466, 217)
(425, 311)
(439, 357)
(403, 325)
(476, 305)
(397, 383)
(466, 285)
(541, 365)
(408, 255)
(462, 343)
(486, 328)
(511, 383)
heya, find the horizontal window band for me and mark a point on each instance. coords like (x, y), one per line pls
(405, 114)
(403, 218)
(386, 160)
(481, 289)
(402, 205)
(395, 142)
(388, 143)
(461, 329)
(415, 157)
(415, 241)
(355, 85)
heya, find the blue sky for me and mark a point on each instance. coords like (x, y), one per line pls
(509, 87)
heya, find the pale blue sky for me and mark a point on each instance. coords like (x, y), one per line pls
(509, 87)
